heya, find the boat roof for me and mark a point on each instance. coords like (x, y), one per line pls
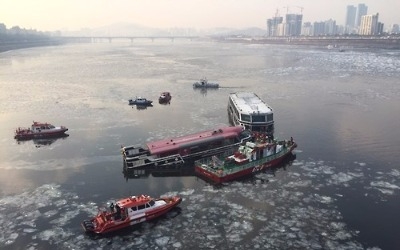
(173, 144)
(249, 103)
(40, 123)
(133, 201)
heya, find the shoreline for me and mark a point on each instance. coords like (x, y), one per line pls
(334, 42)
(326, 42)
(4, 47)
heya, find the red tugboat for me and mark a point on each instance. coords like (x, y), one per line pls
(251, 157)
(39, 130)
(130, 211)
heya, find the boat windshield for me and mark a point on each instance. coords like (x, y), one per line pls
(245, 118)
(258, 118)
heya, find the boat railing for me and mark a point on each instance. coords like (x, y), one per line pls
(227, 149)
(136, 156)
(149, 161)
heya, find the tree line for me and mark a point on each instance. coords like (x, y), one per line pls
(17, 34)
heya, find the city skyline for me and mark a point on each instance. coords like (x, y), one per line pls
(200, 14)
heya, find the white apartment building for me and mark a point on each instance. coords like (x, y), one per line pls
(369, 25)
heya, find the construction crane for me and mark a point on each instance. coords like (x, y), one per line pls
(277, 13)
(287, 9)
(301, 9)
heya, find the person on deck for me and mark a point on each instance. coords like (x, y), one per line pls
(122, 213)
(118, 211)
(112, 207)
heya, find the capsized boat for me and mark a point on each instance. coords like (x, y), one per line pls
(39, 130)
(175, 151)
(203, 83)
(130, 211)
(251, 157)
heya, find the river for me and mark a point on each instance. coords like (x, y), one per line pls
(342, 191)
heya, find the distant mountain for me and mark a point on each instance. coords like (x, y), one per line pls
(118, 29)
(129, 29)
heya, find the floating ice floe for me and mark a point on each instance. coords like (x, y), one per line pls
(283, 211)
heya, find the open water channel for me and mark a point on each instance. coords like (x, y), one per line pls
(342, 108)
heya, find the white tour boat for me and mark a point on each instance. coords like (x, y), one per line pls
(248, 110)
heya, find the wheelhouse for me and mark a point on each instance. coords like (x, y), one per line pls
(248, 110)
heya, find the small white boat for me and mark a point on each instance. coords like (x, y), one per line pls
(203, 83)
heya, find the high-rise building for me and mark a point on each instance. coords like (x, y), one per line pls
(350, 18)
(362, 10)
(306, 30)
(319, 28)
(293, 23)
(379, 29)
(369, 25)
(395, 29)
(326, 28)
(272, 25)
(330, 27)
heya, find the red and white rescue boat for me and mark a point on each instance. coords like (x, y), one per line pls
(39, 130)
(130, 211)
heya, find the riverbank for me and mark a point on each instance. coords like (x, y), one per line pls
(337, 42)
(7, 46)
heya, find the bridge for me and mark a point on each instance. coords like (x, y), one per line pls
(110, 39)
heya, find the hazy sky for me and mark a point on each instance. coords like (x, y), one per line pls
(50, 15)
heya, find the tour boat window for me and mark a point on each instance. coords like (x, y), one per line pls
(258, 118)
(147, 205)
(152, 203)
(245, 118)
(141, 207)
(134, 208)
(270, 117)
